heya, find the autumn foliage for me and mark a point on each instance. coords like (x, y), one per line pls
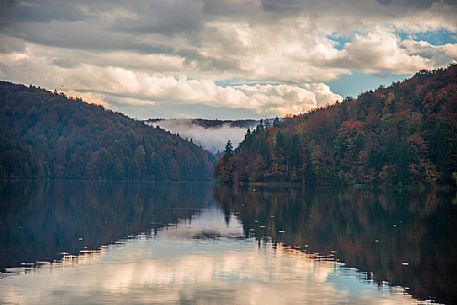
(401, 135)
(47, 135)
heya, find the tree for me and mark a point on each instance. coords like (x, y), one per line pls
(402, 134)
(276, 122)
(47, 135)
(228, 151)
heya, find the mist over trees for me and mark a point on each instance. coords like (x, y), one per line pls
(401, 135)
(47, 135)
(210, 134)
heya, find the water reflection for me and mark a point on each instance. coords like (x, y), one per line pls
(40, 220)
(192, 244)
(170, 268)
(406, 239)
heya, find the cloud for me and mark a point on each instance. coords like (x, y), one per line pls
(89, 97)
(139, 88)
(280, 53)
(438, 55)
(379, 51)
(11, 45)
(173, 267)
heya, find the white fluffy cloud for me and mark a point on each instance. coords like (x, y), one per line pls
(105, 84)
(279, 54)
(380, 51)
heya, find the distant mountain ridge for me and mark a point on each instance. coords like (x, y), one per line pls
(210, 134)
(208, 123)
(47, 135)
(400, 135)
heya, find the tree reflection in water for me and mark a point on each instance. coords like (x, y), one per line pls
(407, 239)
(40, 219)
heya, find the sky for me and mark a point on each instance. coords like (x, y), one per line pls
(223, 59)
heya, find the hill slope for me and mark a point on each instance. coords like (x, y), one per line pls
(47, 135)
(403, 134)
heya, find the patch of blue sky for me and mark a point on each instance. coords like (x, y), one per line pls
(359, 82)
(339, 40)
(353, 282)
(439, 37)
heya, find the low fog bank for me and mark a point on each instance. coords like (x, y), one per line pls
(212, 139)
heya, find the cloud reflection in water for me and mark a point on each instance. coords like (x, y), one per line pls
(185, 264)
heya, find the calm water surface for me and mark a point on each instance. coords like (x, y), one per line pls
(140, 243)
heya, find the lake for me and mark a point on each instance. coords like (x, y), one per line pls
(145, 243)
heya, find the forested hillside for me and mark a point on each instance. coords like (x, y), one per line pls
(207, 123)
(401, 135)
(47, 135)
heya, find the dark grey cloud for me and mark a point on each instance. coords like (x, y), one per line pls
(362, 8)
(417, 3)
(11, 45)
(232, 8)
(100, 25)
(206, 62)
(123, 25)
(15, 11)
(65, 63)
(82, 35)
(384, 2)
(165, 17)
(177, 52)
(286, 5)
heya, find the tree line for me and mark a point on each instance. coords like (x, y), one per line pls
(48, 135)
(399, 135)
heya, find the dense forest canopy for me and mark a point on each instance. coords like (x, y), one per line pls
(400, 135)
(47, 135)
